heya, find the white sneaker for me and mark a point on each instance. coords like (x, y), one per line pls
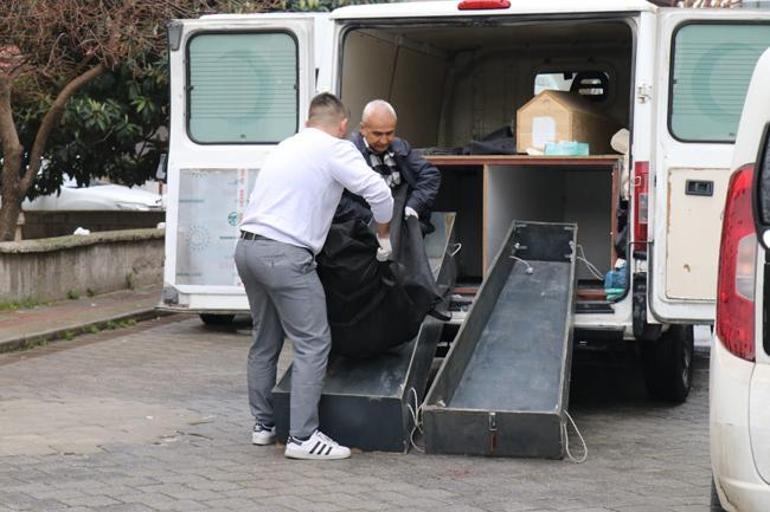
(317, 447)
(262, 435)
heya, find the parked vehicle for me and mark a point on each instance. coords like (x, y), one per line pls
(456, 71)
(97, 196)
(739, 388)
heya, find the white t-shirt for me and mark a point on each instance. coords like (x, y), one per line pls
(299, 187)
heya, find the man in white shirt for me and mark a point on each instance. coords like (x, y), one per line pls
(285, 225)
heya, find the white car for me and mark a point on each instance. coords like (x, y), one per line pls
(739, 398)
(97, 196)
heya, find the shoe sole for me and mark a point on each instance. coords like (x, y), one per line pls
(311, 456)
(262, 442)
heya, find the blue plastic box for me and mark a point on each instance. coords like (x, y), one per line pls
(566, 148)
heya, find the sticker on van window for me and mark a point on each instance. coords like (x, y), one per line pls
(543, 130)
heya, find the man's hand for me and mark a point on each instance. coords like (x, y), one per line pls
(410, 212)
(385, 251)
(383, 238)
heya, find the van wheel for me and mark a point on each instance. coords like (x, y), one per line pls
(667, 364)
(210, 319)
(715, 505)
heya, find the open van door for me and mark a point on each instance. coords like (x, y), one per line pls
(239, 85)
(706, 57)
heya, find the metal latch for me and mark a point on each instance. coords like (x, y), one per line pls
(644, 93)
(492, 433)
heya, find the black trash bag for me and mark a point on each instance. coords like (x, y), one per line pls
(374, 306)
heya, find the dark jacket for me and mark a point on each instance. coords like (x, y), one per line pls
(422, 179)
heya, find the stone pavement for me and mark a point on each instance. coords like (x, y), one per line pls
(65, 319)
(154, 418)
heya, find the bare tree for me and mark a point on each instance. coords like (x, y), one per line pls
(49, 49)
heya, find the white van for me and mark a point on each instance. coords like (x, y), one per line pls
(675, 78)
(739, 372)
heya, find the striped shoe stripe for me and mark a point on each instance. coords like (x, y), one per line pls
(312, 450)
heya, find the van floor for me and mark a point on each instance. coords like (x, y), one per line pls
(588, 291)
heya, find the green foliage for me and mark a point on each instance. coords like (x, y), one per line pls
(110, 129)
(73, 294)
(26, 303)
(321, 5)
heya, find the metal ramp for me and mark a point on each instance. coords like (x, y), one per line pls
(364, 402)
(503, 388)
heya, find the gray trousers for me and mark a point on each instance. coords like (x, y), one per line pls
(286, 299)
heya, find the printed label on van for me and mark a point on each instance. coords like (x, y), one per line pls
(543, 130)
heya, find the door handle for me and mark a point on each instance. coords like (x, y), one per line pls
(699, 188)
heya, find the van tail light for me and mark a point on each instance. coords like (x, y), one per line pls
(470, 5)
(737, 266)
(641, 194)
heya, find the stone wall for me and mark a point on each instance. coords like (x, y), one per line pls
(47, 224)
(55, 268)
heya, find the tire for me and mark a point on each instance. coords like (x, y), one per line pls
(667, 364)
(212, 319)
(715, 505)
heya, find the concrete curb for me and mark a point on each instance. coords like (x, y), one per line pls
(65, 333)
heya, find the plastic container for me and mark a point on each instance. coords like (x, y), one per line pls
(616, 280)
(566, 148)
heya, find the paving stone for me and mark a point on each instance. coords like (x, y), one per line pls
(642, 456)
(91, 501)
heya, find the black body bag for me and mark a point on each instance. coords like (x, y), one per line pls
(374, 306)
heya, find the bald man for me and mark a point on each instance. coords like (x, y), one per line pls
(394, 159)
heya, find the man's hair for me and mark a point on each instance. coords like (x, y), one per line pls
(326, 109)
(377, 105)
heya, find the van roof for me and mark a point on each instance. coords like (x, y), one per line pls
(449, 8)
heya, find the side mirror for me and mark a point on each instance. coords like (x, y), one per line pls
(762, 189)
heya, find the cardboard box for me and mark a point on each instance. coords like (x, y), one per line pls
(556, 116)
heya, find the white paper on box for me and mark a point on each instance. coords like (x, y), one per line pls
(543, 130)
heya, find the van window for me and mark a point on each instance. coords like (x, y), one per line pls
(242, 87)
(711, 68)
(592, 85)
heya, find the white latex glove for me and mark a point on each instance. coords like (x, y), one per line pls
(385, 250)
(410, 212)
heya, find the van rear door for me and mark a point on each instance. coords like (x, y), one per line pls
(706, 58)
(239, 85)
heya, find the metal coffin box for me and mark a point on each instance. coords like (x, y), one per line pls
(365, 402)
(503, 388)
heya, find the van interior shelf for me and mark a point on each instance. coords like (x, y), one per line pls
(513, 160)
(488, 192)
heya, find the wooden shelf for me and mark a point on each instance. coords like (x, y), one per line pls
(582, 189)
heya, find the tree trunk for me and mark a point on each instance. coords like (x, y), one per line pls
(10, 203)
(9, 216)
(16, 181)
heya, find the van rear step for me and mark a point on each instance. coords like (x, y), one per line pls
(503, 387)
(594, 307)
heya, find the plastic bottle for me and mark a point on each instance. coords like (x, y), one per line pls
(616, 280)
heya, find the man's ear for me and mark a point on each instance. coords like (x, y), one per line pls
(344, 127)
